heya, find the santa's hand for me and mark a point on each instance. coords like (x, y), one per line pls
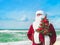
(45, 32)
(50, 34)
(40, 31)
(37, 30)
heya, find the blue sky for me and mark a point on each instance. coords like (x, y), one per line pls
(19, 14)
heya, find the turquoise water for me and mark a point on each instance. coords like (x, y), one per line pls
(58, 32)
(16, 36)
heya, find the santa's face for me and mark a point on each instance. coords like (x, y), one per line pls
(39, 16)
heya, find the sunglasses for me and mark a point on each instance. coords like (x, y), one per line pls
(39, 14)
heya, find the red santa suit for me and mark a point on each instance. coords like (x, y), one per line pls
(38, 38)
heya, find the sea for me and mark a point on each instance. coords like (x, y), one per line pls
(12, 35)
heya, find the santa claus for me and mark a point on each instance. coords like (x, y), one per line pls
(48, 37)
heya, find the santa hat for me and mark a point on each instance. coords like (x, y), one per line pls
(40, 12)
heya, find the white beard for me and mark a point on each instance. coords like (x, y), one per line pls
(36, 34)
(36, 26)
(47, 40)
(37, 22)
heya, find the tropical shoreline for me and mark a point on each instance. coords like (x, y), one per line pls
(58, 40)
(28, 42)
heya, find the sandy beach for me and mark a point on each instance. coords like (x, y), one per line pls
(27, 42)
(57, 41)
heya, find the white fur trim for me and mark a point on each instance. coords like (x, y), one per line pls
(40, 12)
(36, 34)
(47, 40)
(36, 38)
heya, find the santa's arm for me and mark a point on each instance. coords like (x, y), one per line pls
(53, 36)
(30, 32)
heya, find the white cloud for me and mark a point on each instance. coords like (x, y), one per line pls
(23, 18)
(14, 25)
(55, 22)
(20, 15)
(19, 20)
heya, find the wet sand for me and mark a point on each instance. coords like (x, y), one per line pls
(27, 42)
